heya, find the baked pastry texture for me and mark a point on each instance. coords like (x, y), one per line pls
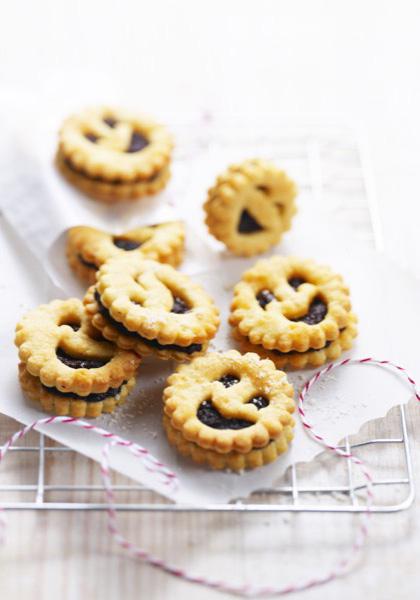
(113, 154)
(293, 311)
(250, 206)
(151, 308)
(229, 410)
(88, 248)
(67, 366)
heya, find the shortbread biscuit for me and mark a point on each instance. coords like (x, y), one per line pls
(65, 358)
(311, 358)
(229, 410)
(290, 304)
(88, 248)
(151, 308)
(69, 403)
(114, 154)
(250, 207)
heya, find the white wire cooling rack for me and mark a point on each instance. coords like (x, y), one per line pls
(331, 165)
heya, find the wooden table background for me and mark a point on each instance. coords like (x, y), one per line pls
(359, 60)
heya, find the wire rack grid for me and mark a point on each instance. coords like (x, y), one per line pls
(332, 167)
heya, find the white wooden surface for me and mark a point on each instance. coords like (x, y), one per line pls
(358, 60)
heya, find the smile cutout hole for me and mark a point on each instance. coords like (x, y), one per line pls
(265, 297)
(137, 143)
(208, 414)
(79, 363)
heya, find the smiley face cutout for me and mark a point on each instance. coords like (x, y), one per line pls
(229, 405)
(250, 207)
(289, 304)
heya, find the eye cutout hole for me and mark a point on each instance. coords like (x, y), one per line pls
(179, 306)
(296, 281)
(75, 324)
(259, 401)
(91, 137)
(137, 142)
(75, 362)
(265, 297)
(111, 122)
(229, 380)
(125, 243)
(264, 189)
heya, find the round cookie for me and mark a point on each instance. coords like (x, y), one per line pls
(229, 410)
(290, 304)
(114, 154)
(151, 308)
(250, 207)
(67, 365)
(88, 248)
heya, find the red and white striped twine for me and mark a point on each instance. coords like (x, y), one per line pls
(167, 477)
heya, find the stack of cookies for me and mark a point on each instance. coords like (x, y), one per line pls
(293, 311)
(66, 364)
(112, 154)
(229, 410)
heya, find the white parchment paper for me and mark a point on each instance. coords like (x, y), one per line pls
(38, 207)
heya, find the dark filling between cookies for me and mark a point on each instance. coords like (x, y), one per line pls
(247, 223)
(110, 393)
(116, 181)
(79, 363)
(210, 416)
(152, 343)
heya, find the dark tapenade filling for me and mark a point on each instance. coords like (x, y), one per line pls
(110, 393)
(99, 179)
(152, 343)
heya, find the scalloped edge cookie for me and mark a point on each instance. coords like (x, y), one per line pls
(268, 326)
(115, 332)
(109, 160)
(48, 327)
(88, 248)
(196, 382)
(310, 358)
(140, 295)
(255, 188)
(62, 406)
